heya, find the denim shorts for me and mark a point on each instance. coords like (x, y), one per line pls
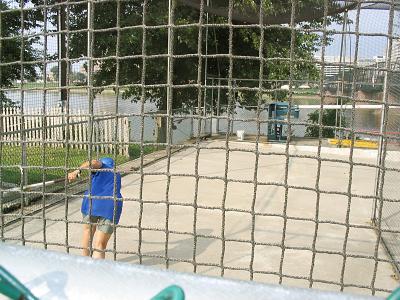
(102, 224)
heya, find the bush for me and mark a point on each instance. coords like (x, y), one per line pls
(280, 95)
(328, 119)
(134, 150)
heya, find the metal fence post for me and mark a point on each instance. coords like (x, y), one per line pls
(24, 160)
(233, 106)
(382, 132)
(218, 104)
(191, 122)
(212, 106)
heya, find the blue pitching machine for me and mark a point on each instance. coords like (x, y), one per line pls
(278, 111)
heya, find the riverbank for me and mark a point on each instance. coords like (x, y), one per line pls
(53, 87)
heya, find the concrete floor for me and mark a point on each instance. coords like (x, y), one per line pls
(270, 199)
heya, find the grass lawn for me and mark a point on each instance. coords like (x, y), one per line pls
(313, 91)
(134, 150)
(306, 99)
(36, 85)
(54, 157)
(301, 97)
(54, 84)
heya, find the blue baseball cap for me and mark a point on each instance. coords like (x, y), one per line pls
(107, 162)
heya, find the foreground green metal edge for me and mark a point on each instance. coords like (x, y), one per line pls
(173, 292)
(395, 295)
(15, 290)
(12, 288)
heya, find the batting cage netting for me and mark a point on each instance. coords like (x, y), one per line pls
(257, 140)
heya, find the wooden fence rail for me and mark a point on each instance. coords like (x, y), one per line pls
(52, 127)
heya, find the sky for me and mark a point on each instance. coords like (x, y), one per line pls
(371, 21)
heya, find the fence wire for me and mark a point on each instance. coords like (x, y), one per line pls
(164, 87)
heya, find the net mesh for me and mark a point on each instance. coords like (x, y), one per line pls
(250, 147)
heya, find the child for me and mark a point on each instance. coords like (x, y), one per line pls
(99, 212)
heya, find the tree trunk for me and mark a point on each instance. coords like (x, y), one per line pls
(162, 130)
(162, 124)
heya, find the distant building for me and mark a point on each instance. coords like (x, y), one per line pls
(96, 68)
(396, 51)
(379, 58)
(333, 64)
(396, 42)
(286, 87)
(82, 69)
(51, 77)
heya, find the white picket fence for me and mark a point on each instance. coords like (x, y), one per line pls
(51, 127)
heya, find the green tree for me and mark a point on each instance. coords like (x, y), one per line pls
(276, 12)
(12, 46)
(54, 70)
(246, 43)
(80, 78)
(77, 78)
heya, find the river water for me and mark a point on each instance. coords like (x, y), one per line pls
(364, 119)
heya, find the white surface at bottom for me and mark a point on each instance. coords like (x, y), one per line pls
(51, 275)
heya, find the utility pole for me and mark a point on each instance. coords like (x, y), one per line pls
(62, 51)
(340, 88)
(169, 120)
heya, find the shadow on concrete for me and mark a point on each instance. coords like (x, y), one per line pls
(181, 248)
(50, 285)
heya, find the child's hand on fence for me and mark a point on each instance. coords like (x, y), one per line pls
(73, 175)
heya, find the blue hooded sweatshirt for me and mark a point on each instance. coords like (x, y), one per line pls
(103, 185)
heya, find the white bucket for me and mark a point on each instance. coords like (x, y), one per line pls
(240, 135)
